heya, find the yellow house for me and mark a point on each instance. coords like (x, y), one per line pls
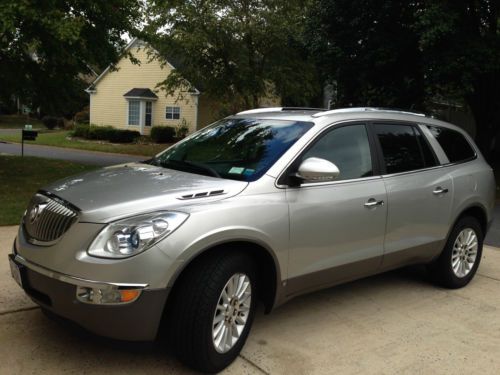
(127, 97)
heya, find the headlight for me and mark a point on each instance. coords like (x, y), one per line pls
(132, 236)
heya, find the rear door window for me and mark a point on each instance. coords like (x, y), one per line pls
(454, 144)
(403, 148)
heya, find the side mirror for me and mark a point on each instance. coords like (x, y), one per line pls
(316, 170)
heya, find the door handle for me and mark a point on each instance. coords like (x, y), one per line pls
(439, 190)
(372, 202)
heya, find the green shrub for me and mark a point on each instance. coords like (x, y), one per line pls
(100, 133)
(182, 129)
(124, 136)
(51, 122)
(162, 134)
(83, 116)
(81, 131)
(106, 133)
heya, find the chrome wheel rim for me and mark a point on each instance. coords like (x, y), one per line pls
(231, 313)
(464, 252)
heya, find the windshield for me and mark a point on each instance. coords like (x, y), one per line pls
(235, 148)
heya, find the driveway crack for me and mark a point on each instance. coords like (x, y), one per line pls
(488, 277)
(19, 310)
(253, 364)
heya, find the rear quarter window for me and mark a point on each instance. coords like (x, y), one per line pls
(454, 144)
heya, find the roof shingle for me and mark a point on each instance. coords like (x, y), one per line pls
(140, 93)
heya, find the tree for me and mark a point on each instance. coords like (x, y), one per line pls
(369, 50)
(402, 53)
(460, 40)
(47, 46)
(234, 50)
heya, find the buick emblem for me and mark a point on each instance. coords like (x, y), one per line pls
(36, 211)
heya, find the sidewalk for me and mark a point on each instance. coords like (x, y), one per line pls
(395, 323)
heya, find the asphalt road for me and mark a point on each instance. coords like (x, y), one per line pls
(78, 156)
(395, 323)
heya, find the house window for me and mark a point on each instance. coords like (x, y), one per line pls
(133, 112)
(173, 113)
(149, 107)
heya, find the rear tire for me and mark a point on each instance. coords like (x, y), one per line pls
(460, 258)
(212, 310)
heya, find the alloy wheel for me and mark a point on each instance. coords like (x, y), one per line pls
(464, 253)
(231, 313)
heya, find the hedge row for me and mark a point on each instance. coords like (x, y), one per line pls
(162, 134)
(106, 133)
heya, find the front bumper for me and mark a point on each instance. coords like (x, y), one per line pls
(135, 321)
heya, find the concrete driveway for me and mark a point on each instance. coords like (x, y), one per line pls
(395, 323)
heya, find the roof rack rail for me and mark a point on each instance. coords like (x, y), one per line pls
(260, 110)
(280, 109)
(366, 109)
(304, 109)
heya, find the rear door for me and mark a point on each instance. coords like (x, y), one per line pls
(419, 194)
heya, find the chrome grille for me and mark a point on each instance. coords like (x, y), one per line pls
(47, 219)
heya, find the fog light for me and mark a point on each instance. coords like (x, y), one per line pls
(108, 295)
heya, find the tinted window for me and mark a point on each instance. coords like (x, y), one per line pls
(400, 147)
(234, 148)
(348, 148)
(454, 144)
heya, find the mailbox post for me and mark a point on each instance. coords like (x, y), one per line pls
(27, 135)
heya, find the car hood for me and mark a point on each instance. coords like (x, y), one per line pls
(123, 190)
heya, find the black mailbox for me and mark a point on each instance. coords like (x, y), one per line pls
(29, 135)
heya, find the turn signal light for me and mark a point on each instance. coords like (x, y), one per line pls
(129, 295)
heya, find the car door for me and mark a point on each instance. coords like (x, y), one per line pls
(419, 195)
(337, 228)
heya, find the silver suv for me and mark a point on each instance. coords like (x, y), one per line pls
(261, 206)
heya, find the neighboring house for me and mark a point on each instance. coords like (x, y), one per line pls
(128, 97)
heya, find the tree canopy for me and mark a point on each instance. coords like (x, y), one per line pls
(46, 47)
(369, 49)
(460, 41)
(405, 53)
(234, 50)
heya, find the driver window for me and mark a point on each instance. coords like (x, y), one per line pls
(348, 148)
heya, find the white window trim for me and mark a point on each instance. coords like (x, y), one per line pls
(173, 112)
(128, 113)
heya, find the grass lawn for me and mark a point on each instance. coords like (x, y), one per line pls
(59, 139)
(20, 178)
(18, 122)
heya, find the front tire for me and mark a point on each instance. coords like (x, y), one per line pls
(460, 258)
(212, 310)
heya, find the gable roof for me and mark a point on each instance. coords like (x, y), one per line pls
(131, 44)
(140, 93)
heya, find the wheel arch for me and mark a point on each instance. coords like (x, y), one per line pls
(476, 211)
(268, 269)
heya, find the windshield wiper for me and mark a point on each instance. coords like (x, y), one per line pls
(191, 165)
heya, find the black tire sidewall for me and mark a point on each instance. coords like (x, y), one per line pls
(222, 360)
